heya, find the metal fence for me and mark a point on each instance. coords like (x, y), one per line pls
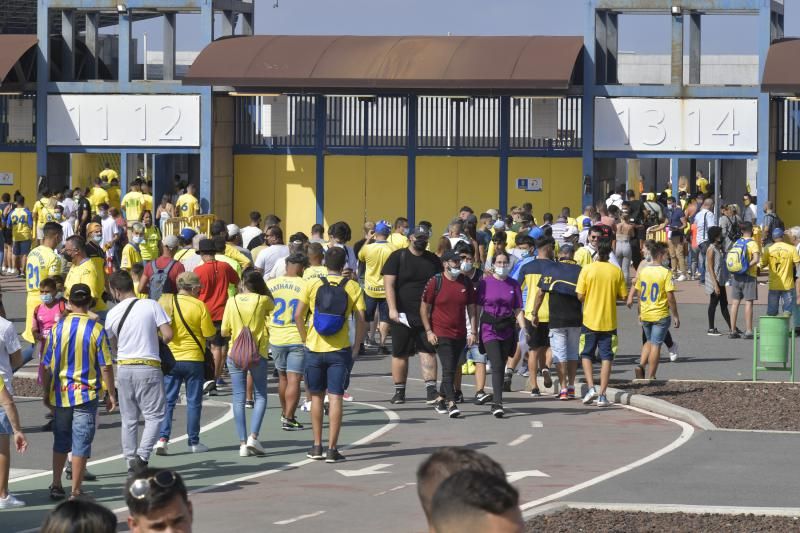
(546, 123)
(275, 121)
(788, 126)
(18, 119)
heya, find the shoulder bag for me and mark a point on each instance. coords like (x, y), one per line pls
(209, 371)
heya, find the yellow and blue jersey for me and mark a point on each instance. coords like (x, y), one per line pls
(77, 348)
(20, 220)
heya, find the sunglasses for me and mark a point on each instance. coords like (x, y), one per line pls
(140, 488)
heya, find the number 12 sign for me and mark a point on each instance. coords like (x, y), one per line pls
(673, 125)
(123, 120)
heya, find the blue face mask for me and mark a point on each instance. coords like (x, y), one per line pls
(47, 299)
(454, 271)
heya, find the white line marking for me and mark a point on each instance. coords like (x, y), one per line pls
(680, 508)
(298, 518)
(516, 476)
(216, 423)
(519, 440)
(686, 433)
(393, 489)
(768, 431)
(20, 472)
(366, 471)
(536, 424)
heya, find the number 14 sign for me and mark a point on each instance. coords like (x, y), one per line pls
(672, 125)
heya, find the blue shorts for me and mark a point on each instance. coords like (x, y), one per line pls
(473, 353)
(21, 247)
(656, 332)
(289, 358)
(5, 424)
(379, 304)
(594, 343)
(328, 371)
(73, 429)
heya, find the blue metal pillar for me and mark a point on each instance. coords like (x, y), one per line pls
(505, 149)
(42, 79)
(675, 175)
(587, 107)
(206, 114)
(764, 41)
(124, 73)
(320, 106)
(411, 165)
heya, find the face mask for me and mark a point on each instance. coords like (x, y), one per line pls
(59, 295)
(67, 256)
(454, 271)
(420, 245)
(97, 238)
(467, 266)
(137, 239)
(76, 197)
(57, 217)
(406, 232)
(103, 214)
(502, 272)
(47, 299)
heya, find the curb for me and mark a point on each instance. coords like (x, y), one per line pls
(661, 407)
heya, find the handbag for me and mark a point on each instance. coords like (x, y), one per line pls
(209, 370)
(244, 350)
(164, 353)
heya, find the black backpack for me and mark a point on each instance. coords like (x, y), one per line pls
(160, 282)
(734, 231)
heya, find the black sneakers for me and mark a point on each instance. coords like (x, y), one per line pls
(535, 393)
(497, 410)
(453, 411)
(713, 332)
(432, 395)
(315, 453)
(440, 407)
(459, 397)
(482, 398)
(399, 397)
(334, 456)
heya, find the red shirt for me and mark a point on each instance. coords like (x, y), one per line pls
(449, 319)
(215, 277)
(174, 272)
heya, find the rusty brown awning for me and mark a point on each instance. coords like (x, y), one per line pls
(782, 70)
(369, 63)
(12, 48)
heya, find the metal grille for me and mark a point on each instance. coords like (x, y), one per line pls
(364, 122)
(445, 122)
(275, 121)
(546, 123)
(788, 127)
(17, 115)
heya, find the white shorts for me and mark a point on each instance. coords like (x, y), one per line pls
(565, 344)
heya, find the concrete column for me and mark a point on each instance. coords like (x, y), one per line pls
(612, 47)
(695, 52)
(247, 23)
(42, 80)
(169, 46)
(676, 75)
(68, 52)
(228, 23)
(92, 24)
(124, 49)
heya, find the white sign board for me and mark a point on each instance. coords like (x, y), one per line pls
(674, 125)
(530, 184)
(123, 120)
(6, 178)
(20, 120)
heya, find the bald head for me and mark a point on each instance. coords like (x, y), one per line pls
(708, 204)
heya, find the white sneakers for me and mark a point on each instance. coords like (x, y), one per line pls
(591, 394)
(198, 448)
(161, 447)
(10, 502)
(673, 352)
(253, 448)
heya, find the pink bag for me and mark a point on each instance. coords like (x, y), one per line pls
(244, 350)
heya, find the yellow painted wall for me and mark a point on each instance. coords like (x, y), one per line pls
(84, 168)
(386, 189)
(279, 184)
(23, 166)
(345, 191)
(787, 194)
(561, 177)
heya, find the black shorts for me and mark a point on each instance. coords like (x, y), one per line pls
(539, 337)
(378, 304)
(218, 339)
(408, 341)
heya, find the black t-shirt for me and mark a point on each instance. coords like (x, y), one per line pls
(412, 273)
(362, 267)
(560, 280)
(636, 211)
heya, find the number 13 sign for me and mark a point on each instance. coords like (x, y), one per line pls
(670, 125)
(123, 120)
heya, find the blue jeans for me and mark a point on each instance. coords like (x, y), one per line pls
(74, 428)
(27, 355)
(780, 301)
(701, 261)
(190, 373)
(328, 371)
(239, 384)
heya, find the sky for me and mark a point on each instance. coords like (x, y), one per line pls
(638, 33)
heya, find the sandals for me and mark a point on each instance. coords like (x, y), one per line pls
(57, 493)
(639, 370)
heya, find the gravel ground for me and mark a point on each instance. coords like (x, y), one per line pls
(27, 387)
(577, 520)
(745, 405)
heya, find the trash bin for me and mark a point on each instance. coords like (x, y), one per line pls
(773, 339)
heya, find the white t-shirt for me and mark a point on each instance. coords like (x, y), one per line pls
(110, 229)
(9, 343)
(139, 336)
(67, 229)
(69, 207)
(249, 233)
(269, 256)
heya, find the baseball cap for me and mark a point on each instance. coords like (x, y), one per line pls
(570, 232)
(450, 255)
(170, 241)
(233, 229)
(777, 233)
(206, 246)
(80, 289)
(92, 227)
(421, 231)
(188, 280)
(587, 223)
(499, 225)
(383, 227)
(187, 234)
(536, 233)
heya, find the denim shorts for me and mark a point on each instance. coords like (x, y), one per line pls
(655, 332)
(5, 424)
(565, 343)
(594, 343)
(289, 358)
(473, 353)
(328, 371)
(73, 429)
(21, 247)
(379, 304)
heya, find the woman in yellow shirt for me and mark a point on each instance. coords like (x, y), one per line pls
(131, 253)
(249, 309)
(152, 236)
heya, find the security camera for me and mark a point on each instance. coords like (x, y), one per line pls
(122, 8)
(676, 10)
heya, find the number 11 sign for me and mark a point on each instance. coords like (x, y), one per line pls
(672, 125)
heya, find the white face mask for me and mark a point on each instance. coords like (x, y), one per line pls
(97, 238)
(502, 271)
(454, 271)
(137, 239)
(467, 266)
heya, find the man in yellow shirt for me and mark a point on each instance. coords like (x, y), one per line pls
(656, 291)
(701, 182)
(187, 204)
(44, 210)
(42, 263)
(783, 261)
(284, 339)
(599, 285)
(20, 221)
(374, 255)
(147, 195)
(744, 286)
(399, 237)
(131, 253)
(133, 203)
(330, 356)
(316, 256)
(114, 194)
(83, 270)
(108, 174)
(97, 195)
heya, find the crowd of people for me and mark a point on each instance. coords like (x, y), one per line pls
(121, 313)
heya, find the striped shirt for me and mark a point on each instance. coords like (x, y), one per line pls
(77, 348)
